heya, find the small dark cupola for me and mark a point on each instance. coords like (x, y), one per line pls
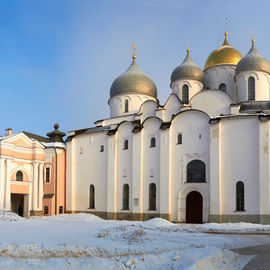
(56, 135)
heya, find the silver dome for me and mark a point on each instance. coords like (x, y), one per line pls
(187, 70)
(253, 61)
(133, 81)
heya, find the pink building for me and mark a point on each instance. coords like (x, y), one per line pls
(32, 173)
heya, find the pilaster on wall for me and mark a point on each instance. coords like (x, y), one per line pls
(264, 163)
(35, 187)
(7, 191)
(165, 172)
(136, 172)
(215, 170)
(40, 187)
(70, 176)
(112, 174)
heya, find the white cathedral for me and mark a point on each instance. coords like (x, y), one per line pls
(203, 156)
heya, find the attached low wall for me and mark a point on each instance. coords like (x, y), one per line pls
(234, 218)
(124, 216)
(36, 213)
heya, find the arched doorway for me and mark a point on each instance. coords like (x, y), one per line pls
(194, 207)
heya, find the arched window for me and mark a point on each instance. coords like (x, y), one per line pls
(196, 171)
(251, 88)
(240, 196)
(153, 142)
(126, 105)
(19, 176)
(185, 94)
(152, 196)
(179, 138)
(125, 145)
(222, 87)
(92, 197)
(126, 197)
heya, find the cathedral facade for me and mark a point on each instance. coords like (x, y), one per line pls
(202, 156)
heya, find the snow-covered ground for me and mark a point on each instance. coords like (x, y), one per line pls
(84, 241)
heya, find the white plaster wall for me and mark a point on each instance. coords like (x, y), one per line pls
(112, 174)
(137, 173)
(91, 168)
(262, 86)
(116, 120)
(148, 108)
(71, 167)
(215, 169)
(195, 134)
(239, 161)
(165, 172)
(212, 102)
(218, 74)
(151, 164)
(264, 184)
(124, 164)
(172, 106)
(117, 103)
(194, 87)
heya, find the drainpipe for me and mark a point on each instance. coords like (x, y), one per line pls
(55, 192)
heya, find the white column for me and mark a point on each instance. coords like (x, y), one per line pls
(2, 182)
(7, 195)
(35, 186)
(40, 191)
(30, 198)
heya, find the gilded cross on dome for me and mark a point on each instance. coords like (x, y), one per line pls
(134, 48)
(188, 49)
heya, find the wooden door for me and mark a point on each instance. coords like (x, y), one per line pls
(194, 207)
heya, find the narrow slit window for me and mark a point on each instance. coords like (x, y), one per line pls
(125, 145)
(92, 197)
(185, 94)
(251, 88)
(153, 142)
(152, 196)
(47, 175)
(126, 105)
(126, 197)
(240, 196)
(179, 138)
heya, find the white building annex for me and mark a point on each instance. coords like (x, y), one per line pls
(202, 156)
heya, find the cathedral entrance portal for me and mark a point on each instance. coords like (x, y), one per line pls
(194, 207)
(18, 204)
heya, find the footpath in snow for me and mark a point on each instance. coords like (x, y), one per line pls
(84, 241)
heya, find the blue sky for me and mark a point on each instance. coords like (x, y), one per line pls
(58, 58)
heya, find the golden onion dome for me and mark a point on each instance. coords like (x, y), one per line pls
(225, 54)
